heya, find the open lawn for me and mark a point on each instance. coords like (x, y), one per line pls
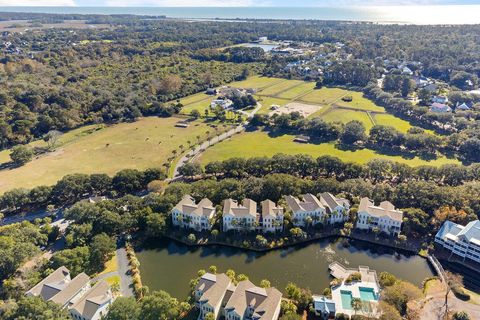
(325, 95)
(143, 144)
(359, 102)
(390, 120)
(254, 144)
(267, 102)
(297, 91)
(256, 82)
(280, 88)
(344, 116)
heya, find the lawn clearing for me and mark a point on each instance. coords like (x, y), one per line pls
(113, 280)
(111, 265)
(390, 120)
(146, 143)
(257, 144)
(297, 91)
(359, 102)
(325, 95)
(277, 89)
(344, 116)
(256, 82)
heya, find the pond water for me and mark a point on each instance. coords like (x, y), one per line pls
(169, 265)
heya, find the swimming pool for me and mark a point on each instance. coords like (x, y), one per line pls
(346, 299)
(367, 294)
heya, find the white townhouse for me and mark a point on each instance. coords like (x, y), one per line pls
(240, 217)
(310, 207)
(211, 294)
(336, 208)
(249, 302)
(384, 217)
(199, 216)
(464, 241)
(82, 301)
(94, 304)
(272, 216)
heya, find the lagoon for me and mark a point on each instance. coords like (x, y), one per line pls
(169, 265)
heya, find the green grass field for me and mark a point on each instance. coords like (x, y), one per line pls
(256, 82)
(266, 102)
(390, 120)
(360, 103)
(345, 116)
(254, 144)
(297, 91)
(280, 88)
(325, 95)
(142, 144)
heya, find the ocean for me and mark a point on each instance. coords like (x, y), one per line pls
(436, 14)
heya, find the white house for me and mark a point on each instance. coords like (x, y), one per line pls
(249, 302)
(336, 208)
(211, 292)
(240, 217)
(464, 241)
(59, 288)
(440, 108)
(310, 207)
(188, 214)
(384, 217)
(272, 216)
(224, 103)
(94, 304)
(462, 106)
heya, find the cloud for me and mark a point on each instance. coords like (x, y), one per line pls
(181, 3)
(59, 3)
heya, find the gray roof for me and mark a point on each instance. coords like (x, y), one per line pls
(71, 290)
(52, 284)
(385, 209)
(214, 287)
(270, 209)
(323, 304)
(309, 203)
(264, 301)
(203, 208)
(97, 296)
(331, 202)
(469, 233)
(248, 208)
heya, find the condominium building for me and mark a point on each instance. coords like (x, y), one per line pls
(336, 208)
(188, 214)
(240, 217)
(211, 294)
(272, 216)
(384, 217)
(309, 208)
(463, 241)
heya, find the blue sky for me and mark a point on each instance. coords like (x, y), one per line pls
(199, 3)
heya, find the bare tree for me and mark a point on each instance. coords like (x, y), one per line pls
(51, 138)
(452, 280)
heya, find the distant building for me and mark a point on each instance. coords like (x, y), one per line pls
(384, 217)
(188, 214)
(309, 208)
(224, 103)
(440, 99)
(463, 107)
(262, 39)
(211, 91)
(240, 217)
(272, 216)
(463, 241)
(440, 108)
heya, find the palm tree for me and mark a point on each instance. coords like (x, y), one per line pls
(356, 304)
(198, 139)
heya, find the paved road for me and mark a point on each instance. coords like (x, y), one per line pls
(192, 154)
(126, 285)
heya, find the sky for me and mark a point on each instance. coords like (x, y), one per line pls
(227, 3)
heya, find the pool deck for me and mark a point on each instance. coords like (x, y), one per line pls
(369, 280)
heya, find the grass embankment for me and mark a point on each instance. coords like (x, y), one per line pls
(146, 143)
(254, 144)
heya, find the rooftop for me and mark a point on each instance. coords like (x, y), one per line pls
(52, 284)
(248, 208)
(385, 209)
(71, 290)
(456, 232)
(309, 203)
(270, 209)
(214, 287)
(331, 202)
(97, 296)
(188, 206)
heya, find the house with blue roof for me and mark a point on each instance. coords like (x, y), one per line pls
(463, 241)
(324, 307)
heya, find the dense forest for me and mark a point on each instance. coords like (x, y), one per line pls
(59, 79)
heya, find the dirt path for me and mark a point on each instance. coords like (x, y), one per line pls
(434, 307)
